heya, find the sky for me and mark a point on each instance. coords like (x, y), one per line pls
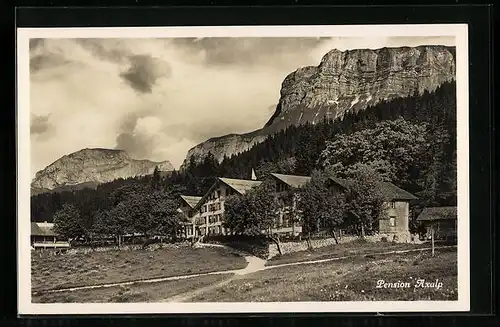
(157, 98)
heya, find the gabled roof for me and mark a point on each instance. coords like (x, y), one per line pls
(437, 213)
(392, 192)
(42, 229)
(292, 180)
(389, 191)
(240, 185)
(191, 200)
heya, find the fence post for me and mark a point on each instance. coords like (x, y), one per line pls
(432, 239)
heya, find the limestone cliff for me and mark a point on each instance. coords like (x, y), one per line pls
(93, 166)
(344, 81)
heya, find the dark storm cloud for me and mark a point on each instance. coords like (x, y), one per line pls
(144, 71)
(248, 50)
(39, 124)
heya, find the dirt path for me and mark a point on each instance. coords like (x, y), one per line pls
(254, 264)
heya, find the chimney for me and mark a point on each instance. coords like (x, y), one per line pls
(254, 177)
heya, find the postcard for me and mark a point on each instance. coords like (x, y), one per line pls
(243, 169)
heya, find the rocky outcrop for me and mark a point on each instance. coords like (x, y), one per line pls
(224, 145)
(344, 81)
(91, 167)
(353, 80)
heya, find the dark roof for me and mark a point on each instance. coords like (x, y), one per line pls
(191, 200)
(42, 229)
(340, 181)
(392, 192)
(389, 191)
(292, 180)
(438, 213)
(240, 185)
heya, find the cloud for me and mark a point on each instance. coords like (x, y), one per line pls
(39, 124)
(137, 136)
(144, 71)
(157, 98)
(249, 51)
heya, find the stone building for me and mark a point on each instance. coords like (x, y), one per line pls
(397, 206)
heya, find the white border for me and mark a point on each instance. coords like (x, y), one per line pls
(25, 307)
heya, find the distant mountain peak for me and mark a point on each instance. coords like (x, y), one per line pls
(94, 166)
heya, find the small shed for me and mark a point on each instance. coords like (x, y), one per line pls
(43, 236)
(442, 219)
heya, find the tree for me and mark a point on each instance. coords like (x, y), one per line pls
(164, 212)
(156, 180)
(253, 212)
(391, 148)
(68, 223)
(364, 200)
(111, 222)
(320, 207)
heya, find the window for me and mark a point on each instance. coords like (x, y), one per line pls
(218, 194)
(392, 221)
(393, 204)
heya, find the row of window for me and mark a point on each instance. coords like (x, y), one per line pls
(210, 207)
(218, 193)
(215, 230)
(214, 219)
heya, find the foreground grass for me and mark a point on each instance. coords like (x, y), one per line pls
(70, 270)
(353, 279)
(140, 292)
(341, 250)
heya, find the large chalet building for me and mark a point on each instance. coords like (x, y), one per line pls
(205, 214)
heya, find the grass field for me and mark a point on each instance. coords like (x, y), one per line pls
(141, 292)
(353, 279)
(341, 250)
(70, 270)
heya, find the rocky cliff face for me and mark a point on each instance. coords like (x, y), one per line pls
(93, 166)
(344, 81)
(224, 145)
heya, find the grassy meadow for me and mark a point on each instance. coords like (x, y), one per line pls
(352, 279)
(95, 268)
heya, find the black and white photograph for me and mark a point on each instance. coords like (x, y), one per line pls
(243, 169)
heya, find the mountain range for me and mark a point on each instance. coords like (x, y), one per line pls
(344, 81)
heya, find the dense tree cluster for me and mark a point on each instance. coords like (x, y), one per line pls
(135, 208)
